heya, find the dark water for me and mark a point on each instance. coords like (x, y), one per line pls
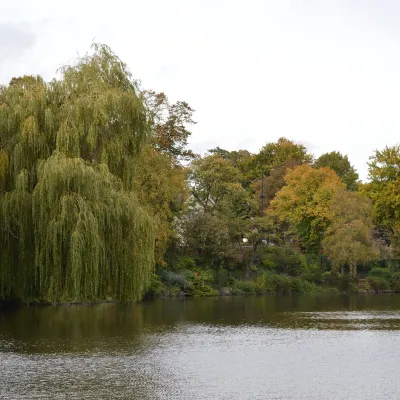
(222, 348)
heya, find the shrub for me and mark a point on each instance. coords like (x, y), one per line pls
(281, 284)
(312, 273)
(236, 291)
(337, 280)
(297, 286)
(200, 283)
(186, 263)
(285, 260)
(382, 273)
(175, 279)
(395, 285)
(249, 287)
(225, 291)
(202, 290)
(377, 283)
(157, 288)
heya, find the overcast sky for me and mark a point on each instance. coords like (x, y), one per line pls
(323, 73)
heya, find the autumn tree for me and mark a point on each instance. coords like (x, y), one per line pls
(305, 201)
(161, 180)
(170, 124)
(384, 190)
(277, 154)
(384, 186)
(268, 186)
(348, 241)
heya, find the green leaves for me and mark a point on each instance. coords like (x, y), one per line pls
(72, 230)
(348, 240)
(341, 165)
(384, 188)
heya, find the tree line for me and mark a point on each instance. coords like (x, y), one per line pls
(99, 190)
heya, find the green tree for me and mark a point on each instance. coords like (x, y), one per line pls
(384, 190)
(341, 165)
(213, 179)
(239, 159)
(384, 186)
(207, 239)
(277, 154)
(71, 227)
(161, 187)
(348, 241)
(221, 200)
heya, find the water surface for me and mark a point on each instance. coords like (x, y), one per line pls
(218, 348)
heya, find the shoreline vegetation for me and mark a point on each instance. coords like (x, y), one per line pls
(188, 284)
(102, 200)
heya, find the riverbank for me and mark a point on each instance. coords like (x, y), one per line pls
(187, 283)
(208, 283)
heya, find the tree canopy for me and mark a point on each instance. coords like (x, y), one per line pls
(99, 189)
(341, 165)
(305, 202)
(72, 228)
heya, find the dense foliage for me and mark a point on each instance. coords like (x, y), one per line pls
(99, 190)
(72, 227)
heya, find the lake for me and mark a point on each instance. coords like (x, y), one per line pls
(341, 347)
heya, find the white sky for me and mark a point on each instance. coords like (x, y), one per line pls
(323, 73)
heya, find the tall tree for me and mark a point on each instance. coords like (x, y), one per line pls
(213, 179)
(277, 154)
(218, 192)
(348, 240)
(170, 124)
(161, 187)
(341, 165)
(305, 202)
(384, 190)
(71, 228)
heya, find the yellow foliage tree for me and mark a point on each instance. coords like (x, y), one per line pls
(305, 202)
(348, 240)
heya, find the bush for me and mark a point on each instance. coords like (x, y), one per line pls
(286, 260)
(249, 287)
(313, 273)
(180, 263)
(236, 291)
(186, 263)
(225, 291)
(382, 273)
(175, 279)
(339, 281)
(202, 290)
(281, 284)
(395, 285)
(377, 283)
(200, 283)
(157, 288)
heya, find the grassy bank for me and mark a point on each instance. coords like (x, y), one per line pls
(231, 283)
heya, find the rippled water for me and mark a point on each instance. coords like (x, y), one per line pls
(222, 348)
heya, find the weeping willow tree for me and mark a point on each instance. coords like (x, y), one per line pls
(71, 227)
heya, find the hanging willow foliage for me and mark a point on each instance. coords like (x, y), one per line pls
(71, 228)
